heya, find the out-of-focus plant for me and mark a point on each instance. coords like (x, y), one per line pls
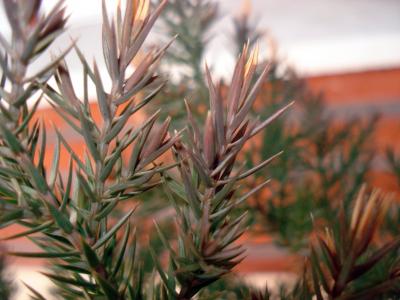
(325, 160)
(345, 254)
(344, 260)
(393, 160)
(7, 287)
(245, 30)
(190, 21)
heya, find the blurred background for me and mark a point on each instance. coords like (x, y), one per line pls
(344, 55)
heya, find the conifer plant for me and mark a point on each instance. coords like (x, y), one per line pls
(82, 218)
(69, 216)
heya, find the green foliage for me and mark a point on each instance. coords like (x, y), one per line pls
(190, 21)
(393, 220)
(394, 163)
(325, 163)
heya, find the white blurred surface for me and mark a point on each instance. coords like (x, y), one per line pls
(32, 277)
(315, 36)
(325, 36)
